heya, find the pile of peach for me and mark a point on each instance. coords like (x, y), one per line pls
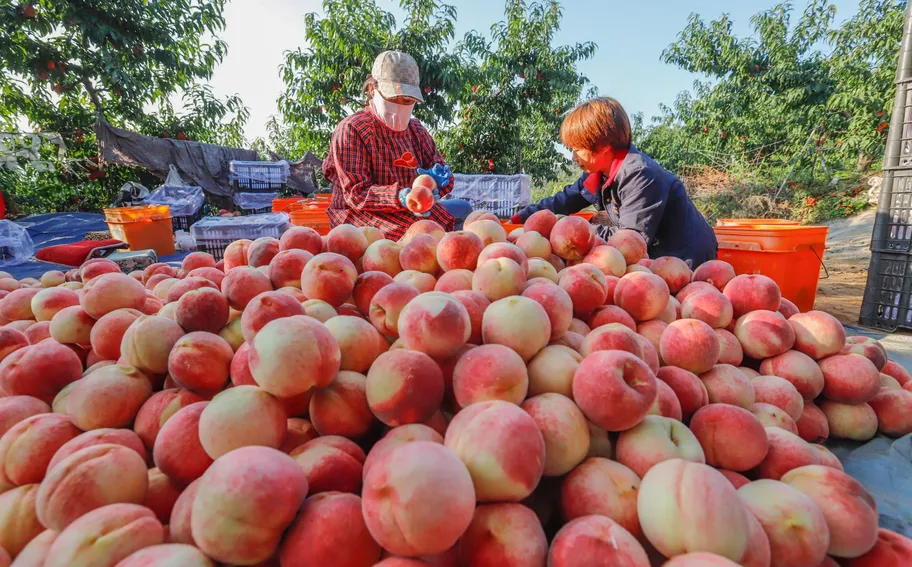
(464, 399)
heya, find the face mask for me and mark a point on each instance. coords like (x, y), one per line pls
(395, 116)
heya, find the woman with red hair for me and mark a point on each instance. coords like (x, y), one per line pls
(636, 192)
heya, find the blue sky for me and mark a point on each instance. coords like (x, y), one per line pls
(630, 36)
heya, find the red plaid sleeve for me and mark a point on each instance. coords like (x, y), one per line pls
(431, 155)
(352, 167)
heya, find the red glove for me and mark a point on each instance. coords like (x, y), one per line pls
(515, 219)
(593, 183)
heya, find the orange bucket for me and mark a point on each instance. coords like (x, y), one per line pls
(284, 204)
(791, 255)
(584, 214)
(749, 222)
(313, 218)
(510, 227)
(143, 228)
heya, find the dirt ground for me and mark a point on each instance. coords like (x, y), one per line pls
(846, 259)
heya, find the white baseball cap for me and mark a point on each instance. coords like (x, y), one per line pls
(397, 75)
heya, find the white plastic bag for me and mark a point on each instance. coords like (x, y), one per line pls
(183, 242)
(16, 245)
(174, 177)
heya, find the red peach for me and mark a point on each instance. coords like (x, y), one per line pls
(202, 310)
(196, 260)
(315, 309)
(19, 523)
(418, 499)
(752, 292)
(11, 340)
(179, 530)
(503, 250)
(158, 409)
(47, 302)
(105, 536)
(158, 268)
(262, 251)
(613, 336)
(868, 348)
(420, 254)
(587, 287)
(607, 314)
(614, 389)
(148, 341)
(603, 487)
(347, 241)
(725, 384)
(475, 304)
(571, 340)
(787, 308)
(519, 323)
(786, 452)
(690, 344)
(153, 281)
(418, 280)
(540, 269)
(818, 334)
(693, 288)
(715, 272)
(17, 306)
(341, 408)
(90, 401)
(501, 446)
(40, 370)
(709, 306)
(301, 238)
(797, 368)
(382, 256)
(630, 243)
(503, 534)
(107, 293)
(685, 507)
(490, 372)
(366, 287)
(774, 416)
(895, 370)
(454, 280)
(643, 296)
(666, 403)
(812, 425)
(14, 409)
(177, 450)
(299, 431)
(850, 421)
(730, 351)
(359, 342)
(331, 464)
(212, 274)
(162, 289)
(387, 306)
(572, 238)
(398, 436)
(849, 378)
(244, 283)
(224, 423)
(892, 407)
(654, 440)
(96, 267)
(541, 222)
(404, 386)
(286, 267)
(167, 554)
(187, 284)
(436, 324)
(737, 479)
(731, 437)
(593, 539)
(607, 259)
(534, 245)
(71, 325)
(780, 393)
(499, 278)
(265, 307)
(891, 550)
(674, 271)
(689, 389)
(552, 370)
(200, 362)
(564, 429)
(27, 447)
(489, 231)
(329, 530)
(423, 226)
(764, 334)
(556, 302)
(459, 250)
(225, 504)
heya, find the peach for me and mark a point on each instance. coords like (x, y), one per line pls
(89, 403)
(737, 479)
(499, 278)
(200, 362)
(35, 552)
(47, 302)
(541, 222)
(387, 306)
(654, 440)
(812, 425)
(475, 304)
(849, 510)
(398, 436)
(163, 288)
(89, 479)
(265, 307)
(503, 250)
(780, 393)
(714, 272)
(752, 292)
(244, 283)
(179, 529)
(674, 271)
(418, 499)
(688, 507)
(12, 340)
(212, 274)
(891, 550)
(71, 325)
(690, 344)
(105, 536)
(366, 287)
(607, 259)
(404, 386)
(571, 340)
(644, 296)
(818, 334)
(459, 250)
(850, 421)
(749, 372)
(286, 267)
(534, 245)
(346, 240)
(382, 256)
(122, 437)
(764, 334)
(897, 372)
(14, 409)
(868, 348)
(299, 431)
(185, 285)
(552, 370)
(564, 429)
(224, 424)
(580, 327)
(167, 554)
(587, 287)
(519, 323)
(556, 302)
(202, 310)
(572, 238)
(595, 539)
(652, 331)
(436, 324)
(613, 336)
(502, 447)
(316, 309)
(52, 278)
(797, 368)
(40, 370)
(541, 269)
(730, 351)
(888, 382)
(301, 238)
(152, 305)
(158, 409)
(709, 306)
(602, 487)
(196, 260)
(629, 243)
(262, 251)
(503, 534)
(614, 389)
(341, 408)
(177, 450)
(27, 447)
(692, 288)
(489, 231)
(359, 342)
(490, 372)
(17, 306)
(153, 281)
(289, 356)
(849, 378)
(331, 464)
(109, 292)
(796, 527)
(787, 451)
(420, 255)
(147, 343)
(158, 268)
(774, 416)
(689, 389)
(455, 280)
(329, 530)
(732, 438)
(423, 226)
(19, 522)
(726, 384)
(892, 407)
(225, 503)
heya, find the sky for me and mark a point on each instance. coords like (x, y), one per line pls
(630, 34)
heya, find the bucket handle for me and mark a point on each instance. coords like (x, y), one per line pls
(825, 271)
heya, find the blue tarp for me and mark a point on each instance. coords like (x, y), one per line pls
(61, 228)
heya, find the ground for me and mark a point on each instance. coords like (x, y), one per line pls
(846, 259)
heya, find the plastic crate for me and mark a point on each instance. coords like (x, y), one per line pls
(186, 221)
(185, 202)
(147, 227)
(214, 234)
(503, 195)
(254, 203)
(893, 223)
(888, 294)
(259, 176)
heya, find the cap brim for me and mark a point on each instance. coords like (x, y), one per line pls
(390, 89)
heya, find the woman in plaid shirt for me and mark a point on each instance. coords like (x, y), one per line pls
(376, 153)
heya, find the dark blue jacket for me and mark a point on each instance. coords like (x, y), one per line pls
(647, 198)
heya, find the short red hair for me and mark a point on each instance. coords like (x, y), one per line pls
(596, 123)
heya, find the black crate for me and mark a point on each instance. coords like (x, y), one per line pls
(259, 177)
(893, 224)
(888, 294)
(216, 247)
(185, 222)
(248, 212)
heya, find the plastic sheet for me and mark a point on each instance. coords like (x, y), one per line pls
(184, 201)
(503, 195)
(16, 245)
(252, 201)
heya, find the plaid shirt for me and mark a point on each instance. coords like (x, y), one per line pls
(366, 181)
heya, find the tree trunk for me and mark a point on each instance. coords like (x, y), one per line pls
(864, 162)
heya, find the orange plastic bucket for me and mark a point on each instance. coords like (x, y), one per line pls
(791, 255)
(584, 214)
(143, 228)
(750, 222)
(510, 227)
(284, 204)
(313, 218)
